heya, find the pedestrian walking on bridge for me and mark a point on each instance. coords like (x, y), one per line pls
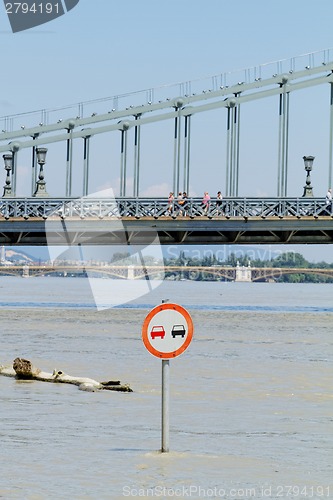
(329, 201)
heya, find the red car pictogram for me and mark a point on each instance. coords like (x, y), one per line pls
(157, 331)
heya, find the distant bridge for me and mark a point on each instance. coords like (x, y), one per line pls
(225, 273)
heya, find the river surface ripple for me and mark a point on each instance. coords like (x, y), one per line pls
(250, 400)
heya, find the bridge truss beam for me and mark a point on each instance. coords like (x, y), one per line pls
(179, 109)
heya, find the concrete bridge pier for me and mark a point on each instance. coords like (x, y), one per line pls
(243, 273)
(25, 271)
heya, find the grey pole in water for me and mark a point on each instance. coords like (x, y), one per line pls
(165, 405)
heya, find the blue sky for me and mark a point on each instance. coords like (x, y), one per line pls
(103, 48)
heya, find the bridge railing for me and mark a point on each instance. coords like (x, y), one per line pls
(30, 208)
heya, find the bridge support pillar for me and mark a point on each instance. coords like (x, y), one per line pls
(177, 145)
(137, 146)
(283, 140)
(123, 159)
(187, 148)
(25, 272)
(34, 167)
(330, 165)
(233, 133)
(176, 156)
(243, 273)
(14, 171)
(130, 273)
(86, 145)
(69, 162)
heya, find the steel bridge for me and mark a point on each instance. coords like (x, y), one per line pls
(226, 273)
(26, 220)
(152, 221)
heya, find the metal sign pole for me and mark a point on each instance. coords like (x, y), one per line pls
(166, 333)
(165, 405)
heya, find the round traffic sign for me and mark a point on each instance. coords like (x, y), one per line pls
(167, 331)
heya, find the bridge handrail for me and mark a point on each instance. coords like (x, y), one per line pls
(157, 208)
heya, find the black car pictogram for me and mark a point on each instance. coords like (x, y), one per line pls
(178, 330)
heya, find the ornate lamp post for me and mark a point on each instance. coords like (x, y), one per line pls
(7, 189)
(41, 184)
(308, 162)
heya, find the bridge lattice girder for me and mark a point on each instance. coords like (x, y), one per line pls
(159, 272)
(129, 221)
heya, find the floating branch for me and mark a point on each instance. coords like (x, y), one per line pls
(23, 369)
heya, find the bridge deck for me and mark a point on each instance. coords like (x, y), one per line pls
(166, 231)
(125, 221)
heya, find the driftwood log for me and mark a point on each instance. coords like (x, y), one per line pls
(23, 369)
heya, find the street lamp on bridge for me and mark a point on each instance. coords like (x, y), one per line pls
(308, 162)
(41, 184)
(8, 159)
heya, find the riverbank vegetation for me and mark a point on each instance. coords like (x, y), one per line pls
(283, 262)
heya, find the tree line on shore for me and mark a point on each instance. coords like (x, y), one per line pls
(286, 260)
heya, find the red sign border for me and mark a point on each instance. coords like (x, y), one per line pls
(150, 315)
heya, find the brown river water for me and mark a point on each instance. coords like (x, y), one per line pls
(251, 403)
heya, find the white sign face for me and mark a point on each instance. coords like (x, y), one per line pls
(167, 331)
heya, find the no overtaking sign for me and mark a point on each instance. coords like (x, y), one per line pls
(167, 331)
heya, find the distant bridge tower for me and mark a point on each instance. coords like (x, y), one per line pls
(243, 273)
(25, 271)
(3, 255)
(130, 273)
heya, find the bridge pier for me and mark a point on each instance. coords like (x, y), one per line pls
(25, 272)
(243, 273)
(130, 273)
